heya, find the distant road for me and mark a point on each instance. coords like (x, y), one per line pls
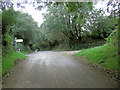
(48, 69)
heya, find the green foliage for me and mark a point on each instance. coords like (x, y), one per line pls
(54, 25)
(113, 38)
(76, 22)
(100, 26)
(64, 25)
(89, 43)
(8, 61)
(26, 28)
(25, 52)
(0, 63)
(9, 47)
(8, 21)
(21, 47)
(105, 55)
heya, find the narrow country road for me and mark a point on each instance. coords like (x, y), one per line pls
(48, 69)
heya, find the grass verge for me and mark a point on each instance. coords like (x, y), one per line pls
(9, 59)
(25, 52)
(105, 55)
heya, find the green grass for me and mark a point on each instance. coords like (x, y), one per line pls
(25, 52)
(8, 60)
(105, 55)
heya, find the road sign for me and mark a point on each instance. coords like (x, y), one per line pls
(19, 40)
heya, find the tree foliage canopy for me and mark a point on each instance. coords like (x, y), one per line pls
(65, 23)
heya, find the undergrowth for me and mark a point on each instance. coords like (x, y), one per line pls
(79, 45)
(9, 59)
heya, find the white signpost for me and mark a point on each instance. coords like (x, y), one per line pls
(17, 40)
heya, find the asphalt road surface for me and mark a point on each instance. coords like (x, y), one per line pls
(48, 69)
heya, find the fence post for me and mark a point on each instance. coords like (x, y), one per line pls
(15, 44)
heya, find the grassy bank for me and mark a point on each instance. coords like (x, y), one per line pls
(105, 55)
(9, 59)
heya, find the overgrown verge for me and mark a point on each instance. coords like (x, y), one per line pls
(105, 55)
(8, 61)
